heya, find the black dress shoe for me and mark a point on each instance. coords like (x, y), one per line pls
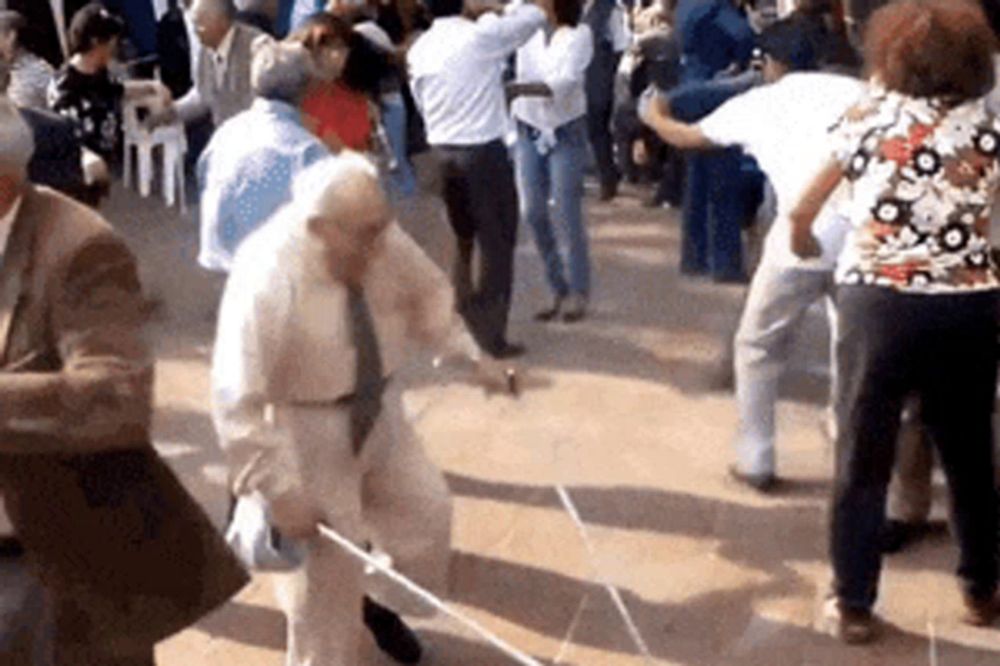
(391, 634)
(507, 350)
(898, 535)
(552, 312)
(576, 310)
(609, 191)
(11, 546)
(762, 483)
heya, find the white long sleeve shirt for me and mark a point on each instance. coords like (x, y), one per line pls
(456, 72)
(284, 338)
(560, 62)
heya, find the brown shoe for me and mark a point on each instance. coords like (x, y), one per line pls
(980, 612)
(850, 625)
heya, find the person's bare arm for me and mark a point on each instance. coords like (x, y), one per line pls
(654, 111)
(804, 214)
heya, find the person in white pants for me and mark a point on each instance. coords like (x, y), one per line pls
(323, 305)
(783, 124)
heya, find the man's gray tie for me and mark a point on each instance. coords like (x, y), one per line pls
(369, 377)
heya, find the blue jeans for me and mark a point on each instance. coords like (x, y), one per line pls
(557, 175)
(714, 210)
(402, 181)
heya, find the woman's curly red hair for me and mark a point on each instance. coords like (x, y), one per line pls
(932, 48)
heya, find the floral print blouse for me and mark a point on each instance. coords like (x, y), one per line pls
(923, 177)
(94, 101)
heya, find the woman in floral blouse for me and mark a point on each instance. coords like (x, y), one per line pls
(85, 90)
(917, 291)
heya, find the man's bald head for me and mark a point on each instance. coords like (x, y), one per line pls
(346, 210)
(211, 19)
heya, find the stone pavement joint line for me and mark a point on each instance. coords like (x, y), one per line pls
(613, 592)
(427, 596)
(568, 640)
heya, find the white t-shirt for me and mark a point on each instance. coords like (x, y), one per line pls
(785, 126)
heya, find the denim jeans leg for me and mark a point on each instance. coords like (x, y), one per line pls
(565, 164)
(402, 180)
(725, 219)
(694, 220)
(533, 196)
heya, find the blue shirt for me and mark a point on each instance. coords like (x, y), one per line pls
(246, 173)
(713, 34)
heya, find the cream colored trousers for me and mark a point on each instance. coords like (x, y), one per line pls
(391, 497)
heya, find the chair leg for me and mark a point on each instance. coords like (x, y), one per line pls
(145, 168)
(181, 187)
(127, 165)
(169, 172)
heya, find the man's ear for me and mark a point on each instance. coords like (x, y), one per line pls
(315, 225)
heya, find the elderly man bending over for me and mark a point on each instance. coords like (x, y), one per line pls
(323, 305)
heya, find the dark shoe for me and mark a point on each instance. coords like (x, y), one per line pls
(576, 309)
(391, 634)
(980, 612)
(898, 535)
(655, 200)
(853, 626)
(10, 547)
(762, 483)
(552, 312)
(507, 350)
(609, 191)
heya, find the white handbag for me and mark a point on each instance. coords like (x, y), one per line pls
(256, 542)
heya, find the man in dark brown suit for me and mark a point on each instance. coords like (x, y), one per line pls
(124, 554)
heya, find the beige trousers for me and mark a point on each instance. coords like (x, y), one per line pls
(391, 496)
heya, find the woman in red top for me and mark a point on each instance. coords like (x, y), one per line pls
(336, 108)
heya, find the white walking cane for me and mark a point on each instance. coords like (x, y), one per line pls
(428, 597)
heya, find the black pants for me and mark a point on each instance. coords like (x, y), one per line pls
(600, 84)
(479, 193)
(942, 348)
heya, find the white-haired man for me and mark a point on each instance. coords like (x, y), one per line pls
(222, 71)
(247, 170)
(125, 555)
(323, 305)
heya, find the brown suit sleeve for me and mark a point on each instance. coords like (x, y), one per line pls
(101, 397)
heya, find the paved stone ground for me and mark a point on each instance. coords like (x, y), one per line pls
(623, 411)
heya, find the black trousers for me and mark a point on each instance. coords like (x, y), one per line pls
(600, 85)
(943, 349)
(481, 199)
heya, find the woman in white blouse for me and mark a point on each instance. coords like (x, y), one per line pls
(550, 108)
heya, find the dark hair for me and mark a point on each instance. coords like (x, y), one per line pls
(365, 65)
(991, 8)
(789, 42)
(444, 8)
(932, 48)
(91, 26)
(567, 12)
(322, 30)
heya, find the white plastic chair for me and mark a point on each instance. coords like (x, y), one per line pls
(173, 144)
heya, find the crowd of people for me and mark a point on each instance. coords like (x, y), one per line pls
(866, 139)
